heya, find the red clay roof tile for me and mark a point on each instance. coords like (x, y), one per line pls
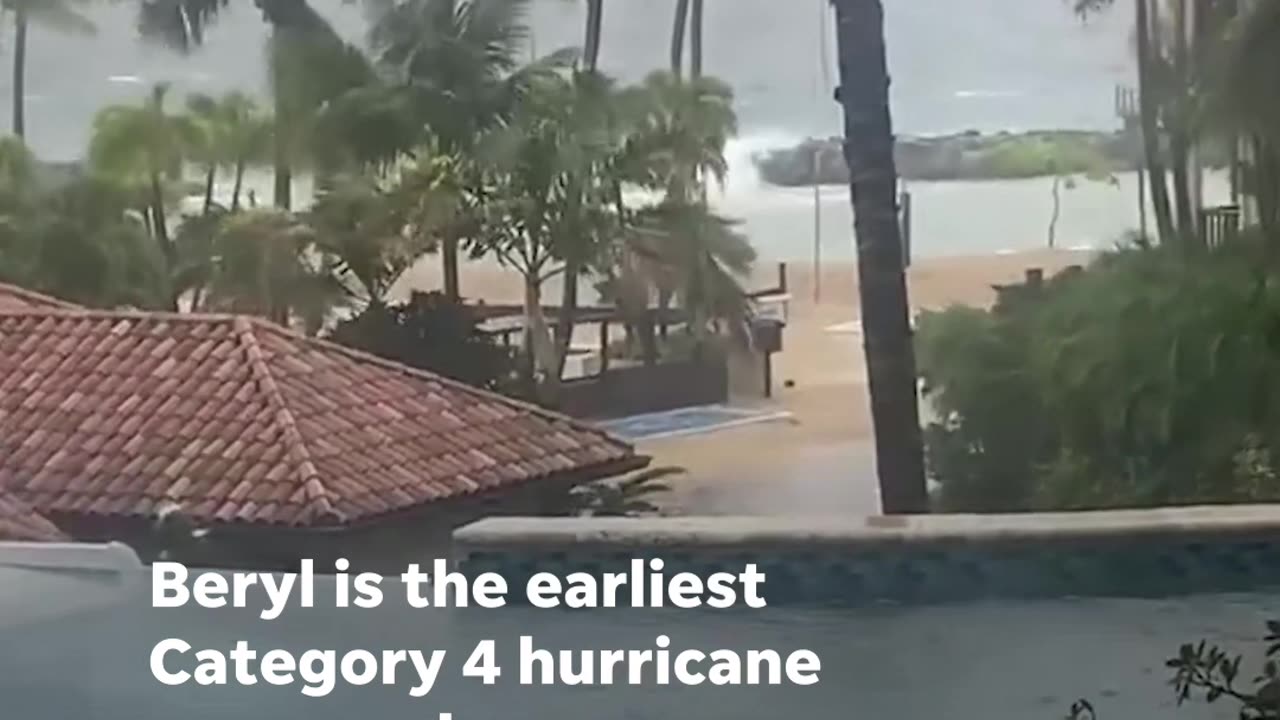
(14, 298)
(240, 420)
(20, 523)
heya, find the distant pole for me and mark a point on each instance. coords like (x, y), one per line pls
(904, 208)
(817, 224)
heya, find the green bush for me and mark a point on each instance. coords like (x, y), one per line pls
(1149, 379)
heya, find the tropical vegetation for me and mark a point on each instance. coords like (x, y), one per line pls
(437, 136)
(1145, 379)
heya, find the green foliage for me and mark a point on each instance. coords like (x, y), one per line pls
(633, 496)
(1038, 156)
(80, 242)
(1211, 673)
(1143, 381)
(432, 333)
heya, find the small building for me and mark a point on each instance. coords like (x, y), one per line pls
(279, 446)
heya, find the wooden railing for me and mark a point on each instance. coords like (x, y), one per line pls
(1220, 225)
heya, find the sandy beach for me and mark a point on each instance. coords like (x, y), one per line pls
(821, 460)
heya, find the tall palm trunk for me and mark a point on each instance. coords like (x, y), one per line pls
(1149, 112)
(677, 36)
(1179, 133)
(210, 177)
(591, 44)
(695, 39)
(283, 188)
(20, 69)
(891, 370)
(239, 185)
(449, 267)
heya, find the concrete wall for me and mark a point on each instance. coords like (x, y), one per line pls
(913, 560)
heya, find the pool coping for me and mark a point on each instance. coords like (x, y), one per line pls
(512, 532)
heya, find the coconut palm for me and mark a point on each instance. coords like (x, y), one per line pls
(309, 66)
(891, 371)
(460, 63)
(698, 257)
(689, 124)
(60, 15)
(231, 134)
(591, 42)
(679, 29)
(79, 242)
(144, 146)
(180, 24)
(688, 22)
(266, 263)
(375, 233)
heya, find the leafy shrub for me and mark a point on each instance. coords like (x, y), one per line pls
(432, 333)
(1149, 379)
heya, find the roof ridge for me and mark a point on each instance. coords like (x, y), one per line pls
(47, 301)
(312, 484)
(370, 358)
(119, 314)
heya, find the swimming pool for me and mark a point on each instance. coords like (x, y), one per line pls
(1004, 660)
(688, 421)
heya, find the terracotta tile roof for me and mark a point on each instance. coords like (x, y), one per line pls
(239, 420)
(18, 522)
(14, 298)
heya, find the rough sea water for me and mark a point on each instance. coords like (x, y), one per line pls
(982, 64)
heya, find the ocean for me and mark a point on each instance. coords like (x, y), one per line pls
(995, 65)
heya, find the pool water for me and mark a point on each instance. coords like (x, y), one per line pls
(994, 661)
(687, 421)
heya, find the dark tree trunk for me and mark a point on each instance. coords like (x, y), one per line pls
(449, 267)
(283, 182)
(210, 177)
(891, 370)
(1179, 133)
(239, 185)
(1149, 110)
(20, 71)
(566, 318)
(160, 227)
(591, 44)
(695, 39)
(677, 36)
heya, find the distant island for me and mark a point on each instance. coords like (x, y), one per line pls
(968, 156)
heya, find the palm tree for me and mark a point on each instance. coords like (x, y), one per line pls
(233, 134)
(891, 371)
(679, 28)
(61, 15)
(180, 24)
(79, 242)
(459, 60)
(689, 124)
(591, 41)
(697, 256)
(267, 263)
(688, 21)
(309, 66)
(695, 39)
(375, 233)
(144, 146)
